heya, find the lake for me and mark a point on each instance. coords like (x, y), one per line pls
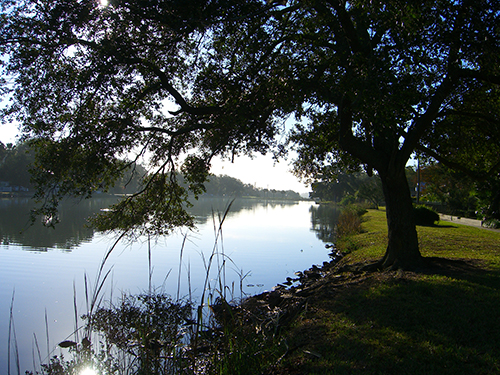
(42, 269)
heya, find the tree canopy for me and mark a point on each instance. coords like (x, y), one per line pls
(14, 161)
(368, 82)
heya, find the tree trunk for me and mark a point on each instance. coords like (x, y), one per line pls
(402, 249)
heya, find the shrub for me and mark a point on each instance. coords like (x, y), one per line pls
(349, 221)
(424, 215)
(357, 209)
(348, 200)
(491, 223)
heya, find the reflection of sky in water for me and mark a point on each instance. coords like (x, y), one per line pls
(269, 242)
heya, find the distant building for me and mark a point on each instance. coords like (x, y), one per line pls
(5, 187)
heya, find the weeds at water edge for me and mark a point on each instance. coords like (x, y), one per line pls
(151, 333)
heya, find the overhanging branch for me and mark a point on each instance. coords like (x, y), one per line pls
(185, 107)
(424, 122)
(173, 133)
(476, 175)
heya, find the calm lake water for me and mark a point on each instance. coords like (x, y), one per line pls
(42, 269)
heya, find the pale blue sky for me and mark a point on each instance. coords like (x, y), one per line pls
(262, 171)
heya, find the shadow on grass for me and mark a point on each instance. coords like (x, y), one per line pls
(440, 226)
(406, 323)
(473, 270)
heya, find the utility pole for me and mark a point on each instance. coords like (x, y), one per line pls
(418, 179)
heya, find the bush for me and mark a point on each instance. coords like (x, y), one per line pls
(349, 221)
(348, 200)
(357, 209)
(491, 223)
(425, 216)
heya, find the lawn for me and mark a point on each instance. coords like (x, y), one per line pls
(338, 319)
(444, 322)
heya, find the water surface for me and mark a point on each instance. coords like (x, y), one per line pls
(261, 243)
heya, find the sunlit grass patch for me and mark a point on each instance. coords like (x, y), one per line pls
(460, 241)
(446, 239)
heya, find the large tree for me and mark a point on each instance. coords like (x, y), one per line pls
(368, 81)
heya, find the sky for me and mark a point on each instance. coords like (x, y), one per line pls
(261, 171)
(8, 133)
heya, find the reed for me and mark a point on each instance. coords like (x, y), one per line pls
(151, 333)
(12, 338)
(350, 220)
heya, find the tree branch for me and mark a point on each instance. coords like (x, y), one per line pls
(181, 131)
(185, 107)
(478, 176)
(356, 147)
(423, 122)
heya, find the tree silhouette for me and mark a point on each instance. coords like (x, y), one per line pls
(369, 82)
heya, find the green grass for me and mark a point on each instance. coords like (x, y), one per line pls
(444, 321)
(405, 322)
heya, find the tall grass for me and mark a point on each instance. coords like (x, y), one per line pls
(350, 220)
(12, 338)
(150, 333)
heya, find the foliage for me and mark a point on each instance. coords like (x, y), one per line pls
(353, 186)
(147, 329)
(425, 215)
(473, 168)
(492, 223)
(348, 200)
(14, 164)
(107, 73)
(369, 82)
(370, 190)
(349, 224)
(143, 334)
(463, 194)
(17, 160)
(335, 189)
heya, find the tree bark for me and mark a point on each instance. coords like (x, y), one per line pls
(402, 249)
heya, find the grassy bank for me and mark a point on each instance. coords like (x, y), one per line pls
(336, 320)
(444, 322)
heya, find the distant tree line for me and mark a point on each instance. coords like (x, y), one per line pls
(224, 185)
(16, 161)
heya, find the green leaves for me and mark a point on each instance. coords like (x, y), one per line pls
(157, 210)
(183, 82)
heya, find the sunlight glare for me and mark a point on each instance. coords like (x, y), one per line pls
(104, 3)
(88, 371)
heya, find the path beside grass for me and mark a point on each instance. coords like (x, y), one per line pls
(464, 221)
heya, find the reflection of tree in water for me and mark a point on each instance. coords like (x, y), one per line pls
(203, 208)
(323, 220)
(69, 233)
